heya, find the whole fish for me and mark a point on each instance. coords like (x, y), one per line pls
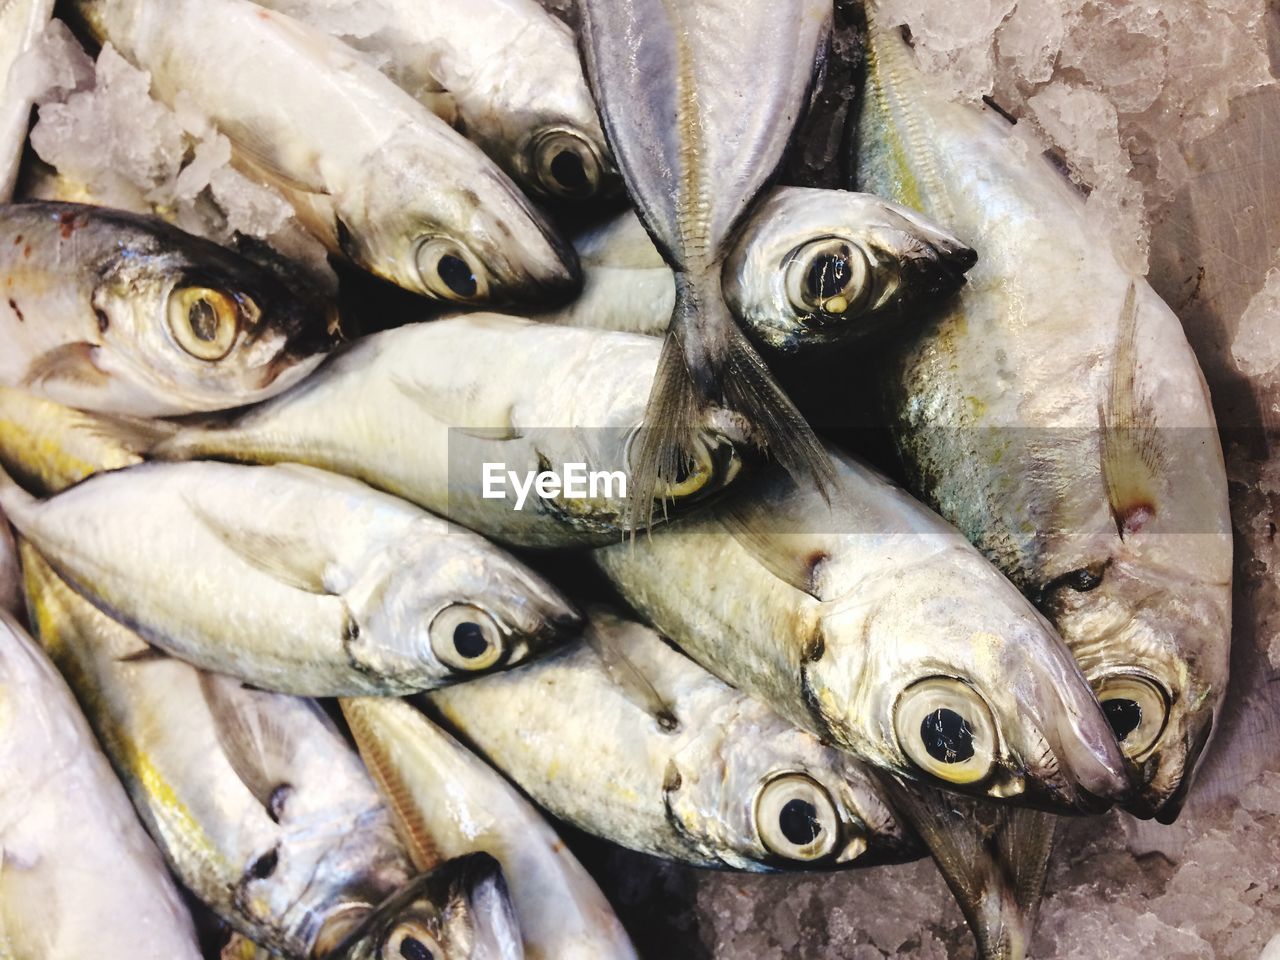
(628, 739)
(78, 875)
(291, 578)
(428, 411)
(512, 74)
(447, 803)
(874, 624)
(258, 803)
(698, 114)
(1056, 414)
(371, 171)
(121, 313)
(21, 22)
(809, 269)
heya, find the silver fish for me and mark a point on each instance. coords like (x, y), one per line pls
(10, 572)
(698, 116)
(447, 803)
(292, 578)
(21, 22)
(871, 622)
(1056, 414)
(810, 269)
(78, 875)
(258, 803)
(512, 74)
(370, 170)
(419, 410)
(111, 311)
(628, 739)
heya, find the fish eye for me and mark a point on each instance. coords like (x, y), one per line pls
(205, 322)
(714, 464)
(796, 818)
(830, 278)
(411, 940)
(1084, 579)
(1137, 707)
(448, 270)
(566, 165)
(465, 638)
(946, 729)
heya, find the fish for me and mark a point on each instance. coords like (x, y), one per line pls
(79, 877)
(447, 802)
(370, 171)
(21, 22)
(291, 578)
(698, 116)
(121, 313)
(513, 77)
(1055, 413)
(626, 738)
(875, 625)
(810, 270)
(10, 572)
(420, 410)
(256, 800)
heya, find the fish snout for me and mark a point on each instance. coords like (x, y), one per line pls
(1168, 774)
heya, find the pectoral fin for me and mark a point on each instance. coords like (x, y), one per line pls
(291, 560)
(72, 363)
(629, 678)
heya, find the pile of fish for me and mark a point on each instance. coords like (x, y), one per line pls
(315, 627)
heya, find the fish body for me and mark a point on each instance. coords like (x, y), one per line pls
(372, 172)
(10, 571)
(628, 739)
(877, 626)
(21, 22)
(514, 78)
(79, 877)
(447, 803)
(418, 411)
(1055, 413)
(291, 578)
(125, 314)
(698, 117)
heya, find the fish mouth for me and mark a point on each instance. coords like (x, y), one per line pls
(1163, 801)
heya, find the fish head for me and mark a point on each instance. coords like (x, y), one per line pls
(568, 161)
(460, 909)
(816, 267)
(960, 683)
(465, 235)
(202, 324)
(756, 792)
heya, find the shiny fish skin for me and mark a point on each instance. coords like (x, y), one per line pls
(120, 313)
(513, 75)
(1122, 534)
(372, 171)
(78, 875)
(676, 770)
(291, 578)
(855, 617)
(448, 803)
(417, 410)
(20, 23)
(10, 572)
(881, 261)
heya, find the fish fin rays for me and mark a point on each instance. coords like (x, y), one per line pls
(628, 677)
(795, 558)
(257, 746)
(71, 363)
(290, 560)
(436, 406)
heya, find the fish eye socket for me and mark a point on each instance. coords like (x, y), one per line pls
(1084, 579)
(714, 464)
(450, 272)
(1137, 707)
(829, 279)
(796, 818)
(566, 165)
(411, 940)
(946, 729)
(465, 638)
(205, 322)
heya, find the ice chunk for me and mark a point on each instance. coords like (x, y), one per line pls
(1256, 347)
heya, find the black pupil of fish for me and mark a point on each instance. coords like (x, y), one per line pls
(947, 736)
(828, 274)
(567, 168)
(1123, 714)
(798, 821)
(456, 275)
(1083, 579)
(204, 320)
(412, 949)
(469, 640)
